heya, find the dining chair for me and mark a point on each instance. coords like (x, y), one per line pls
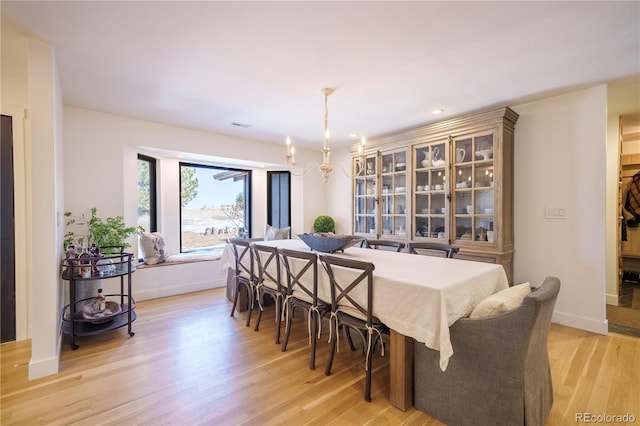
(383, 244)
(301, 269)
(351, 283)
(244, 277)
(268, 282)
(432, 249)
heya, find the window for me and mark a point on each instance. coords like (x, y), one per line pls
(214, 205)
(147, 213)
(279, 199)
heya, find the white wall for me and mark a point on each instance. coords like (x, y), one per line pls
(44, 143)
(560, 146)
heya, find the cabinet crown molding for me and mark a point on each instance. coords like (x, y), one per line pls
(443, 129)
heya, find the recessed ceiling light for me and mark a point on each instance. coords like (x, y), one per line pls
(245, 125)
(437, 111)
(353, 135)
(180, 155)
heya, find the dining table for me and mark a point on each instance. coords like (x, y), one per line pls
(418, 297)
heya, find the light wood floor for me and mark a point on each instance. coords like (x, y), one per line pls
(190, 363)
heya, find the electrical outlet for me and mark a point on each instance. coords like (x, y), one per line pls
(555, 213)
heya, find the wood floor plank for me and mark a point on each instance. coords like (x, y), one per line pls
(190, 363)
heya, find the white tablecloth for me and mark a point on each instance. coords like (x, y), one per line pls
(418, 296)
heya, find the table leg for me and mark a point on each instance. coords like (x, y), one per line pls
(400, 370)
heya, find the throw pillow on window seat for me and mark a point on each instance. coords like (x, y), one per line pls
(152, 247)
(502, 301)
(272, 233)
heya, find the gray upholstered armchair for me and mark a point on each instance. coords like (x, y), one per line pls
(499, 373)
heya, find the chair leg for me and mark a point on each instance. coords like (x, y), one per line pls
(369, 363)
(349, 339)
(251, 303)
(278, 318)
(287, 331)
(260, 299)
(235, 296)
(314, 340)
(332, 352)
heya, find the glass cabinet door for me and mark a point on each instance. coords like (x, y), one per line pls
(472, 176)
(365, 196)
(394, 194)
(430, 190)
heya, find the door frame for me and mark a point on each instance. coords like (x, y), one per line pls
(22, 215)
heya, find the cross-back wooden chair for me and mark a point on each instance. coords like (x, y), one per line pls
(244, 275)
(352, 307)
(301, 269)
(383, 244)
(432, 249)
(269, 282)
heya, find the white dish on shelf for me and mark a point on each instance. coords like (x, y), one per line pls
(460, 185)
(400, 166)
(438, 187)
(400, 188)
(424, 211)
(486, 154)
(487, 211)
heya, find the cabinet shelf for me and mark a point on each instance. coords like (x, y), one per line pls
(86, 327)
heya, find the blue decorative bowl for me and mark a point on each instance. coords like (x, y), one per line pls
(327, 244)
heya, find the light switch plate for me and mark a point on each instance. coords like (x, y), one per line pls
(555, 213)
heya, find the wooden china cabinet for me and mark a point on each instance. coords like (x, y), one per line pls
(449, 182)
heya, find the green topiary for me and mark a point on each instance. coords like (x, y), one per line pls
(324, 224)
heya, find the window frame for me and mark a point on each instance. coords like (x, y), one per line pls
(270, 195)
(153, 191)
(247, 190)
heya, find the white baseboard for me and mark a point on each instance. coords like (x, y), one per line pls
(44, 367)
(178, 288)
(588, 324)
(174, 279)
(612, 299)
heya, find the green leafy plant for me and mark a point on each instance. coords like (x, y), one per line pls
(111, 231)
(324, 224)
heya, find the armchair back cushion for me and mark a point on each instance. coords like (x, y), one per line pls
(502, 301)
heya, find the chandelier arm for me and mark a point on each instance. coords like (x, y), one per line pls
(305, 170)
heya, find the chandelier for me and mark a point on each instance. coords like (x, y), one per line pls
(326, 168)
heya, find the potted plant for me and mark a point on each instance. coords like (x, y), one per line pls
(324, 224)
(110, 232)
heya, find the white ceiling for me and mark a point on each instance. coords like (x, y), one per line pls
(204, 65)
